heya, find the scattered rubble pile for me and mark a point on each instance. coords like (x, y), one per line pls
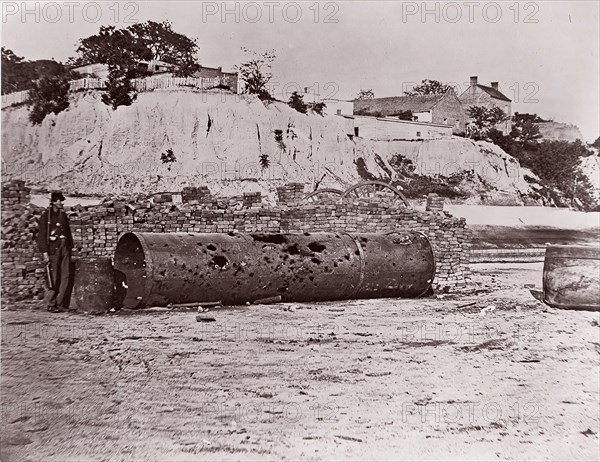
(96, 229)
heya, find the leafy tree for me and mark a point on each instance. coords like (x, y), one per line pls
(119, 91)
(143, 41)
(483, 120)
(429, 87)
(524, 117)
(16, 75)
(168, 157)
(49, 94)
(525, 132)
(160, 42)
(112, 46)
(256, 72)
(278, 133)
(558, 163)
(120, 50)
(596, 144)
(319, 108)
(297, 102)
(365, 94)
(264, 161)
(19, 74)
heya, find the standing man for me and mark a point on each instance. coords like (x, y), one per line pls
(55, 242)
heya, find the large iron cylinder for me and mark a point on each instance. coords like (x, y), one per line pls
(237, 268)
(572, 277)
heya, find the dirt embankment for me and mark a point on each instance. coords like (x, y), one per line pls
(226, 141)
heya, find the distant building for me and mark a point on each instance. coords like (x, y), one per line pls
(155, 66)
(97, 70)
(482, 95)
(100, 70)
(393, 129)
(338, 107)
(228, 79)
(444, 109)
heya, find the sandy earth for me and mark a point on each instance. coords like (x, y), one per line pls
(424, 379)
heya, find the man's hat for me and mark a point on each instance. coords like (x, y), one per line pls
(56, 196)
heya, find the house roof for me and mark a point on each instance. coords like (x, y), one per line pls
(157, 62)
(199, 72)
(493, 92)
(394, 105)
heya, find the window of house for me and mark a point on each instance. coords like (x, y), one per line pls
(418, 134)
(355, 131)
(339, 112)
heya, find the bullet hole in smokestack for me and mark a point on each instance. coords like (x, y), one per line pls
(316, 247)
(219, 262)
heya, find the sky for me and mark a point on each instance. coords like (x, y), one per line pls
(544, 54)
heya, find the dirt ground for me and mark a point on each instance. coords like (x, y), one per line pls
(503, 378)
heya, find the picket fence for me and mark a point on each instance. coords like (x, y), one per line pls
(141, 85)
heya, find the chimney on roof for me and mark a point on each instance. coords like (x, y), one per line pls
(494, 85)
(473, 80)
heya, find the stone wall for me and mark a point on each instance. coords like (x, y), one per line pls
(96, 229)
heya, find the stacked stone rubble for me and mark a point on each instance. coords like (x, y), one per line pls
(192, 193)
(435, 203)
(290, 193)
(96, 229)
(14, 193)
(22, 264)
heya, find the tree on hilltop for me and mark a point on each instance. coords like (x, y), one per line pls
(162, 43)
(16, 75)
(50, 94)
(365, 94)
(256, 72)
(122, 49)
(297, 102)
(143, 41)
(19, 74)
(112, 46)
(429, 87)
(482, 120)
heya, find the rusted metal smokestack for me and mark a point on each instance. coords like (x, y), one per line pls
(237, 268)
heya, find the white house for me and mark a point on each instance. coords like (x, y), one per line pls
(338, 107)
